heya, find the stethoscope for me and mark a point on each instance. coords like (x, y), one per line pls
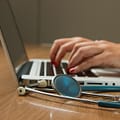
(68, 88)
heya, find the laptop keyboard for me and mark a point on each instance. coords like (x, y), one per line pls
(48, 69)
(51, 70)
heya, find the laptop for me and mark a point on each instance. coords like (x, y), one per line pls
(28, 71)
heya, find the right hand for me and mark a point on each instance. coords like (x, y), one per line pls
(61, 46)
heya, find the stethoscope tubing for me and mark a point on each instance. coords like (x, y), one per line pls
(113, 104)
(101, 88)
(59, 96)
(114, 97)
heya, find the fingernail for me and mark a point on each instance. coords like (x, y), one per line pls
(52, 62)
(56, 64)
(72, 70)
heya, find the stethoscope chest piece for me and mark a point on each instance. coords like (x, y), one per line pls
(66, 85)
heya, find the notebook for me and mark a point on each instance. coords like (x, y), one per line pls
(32, 70)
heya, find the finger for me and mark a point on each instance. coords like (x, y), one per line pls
(81, 44)
(67, 47)
(57, 43)
(55, 47)
(83, 53)
(98, 60)
(81, 39)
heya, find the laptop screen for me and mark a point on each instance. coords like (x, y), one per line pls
(11, 37)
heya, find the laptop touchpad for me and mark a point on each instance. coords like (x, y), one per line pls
(106, 72)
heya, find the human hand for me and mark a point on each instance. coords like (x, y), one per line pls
(94, 53)
(61, 46)
(86, 53)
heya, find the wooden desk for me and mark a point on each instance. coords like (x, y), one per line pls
(41, 107)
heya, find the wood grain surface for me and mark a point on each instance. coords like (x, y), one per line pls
(42, 107)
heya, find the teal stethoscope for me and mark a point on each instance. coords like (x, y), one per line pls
(68, 88)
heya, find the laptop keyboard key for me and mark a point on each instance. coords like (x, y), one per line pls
(80, 74)
(42, 69)
(59, 70)
(50, 69)
(89, 73)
